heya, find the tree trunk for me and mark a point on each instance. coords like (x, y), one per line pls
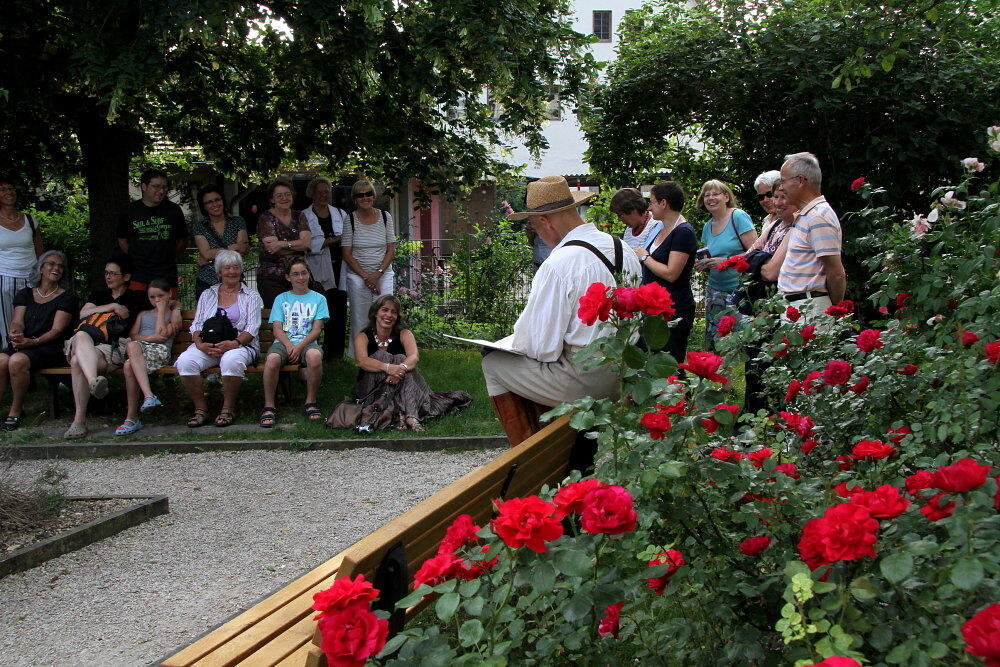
(107, 152)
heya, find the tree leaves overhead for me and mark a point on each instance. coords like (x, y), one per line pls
(897, 91)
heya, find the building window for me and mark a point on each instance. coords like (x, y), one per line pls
(554, 109)
(602, 25)
(636, 26)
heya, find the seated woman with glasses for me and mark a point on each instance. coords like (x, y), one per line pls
(41, 318)
(369, 244)
(284, 232)
(90, 357)
(216, 231)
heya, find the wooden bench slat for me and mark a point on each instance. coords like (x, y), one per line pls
(301, 656)
(291, 640)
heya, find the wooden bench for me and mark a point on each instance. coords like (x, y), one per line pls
(280, 630)
(61, 375)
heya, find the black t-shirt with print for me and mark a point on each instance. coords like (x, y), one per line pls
(152, 233)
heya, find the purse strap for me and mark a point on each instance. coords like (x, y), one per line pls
(732, 223)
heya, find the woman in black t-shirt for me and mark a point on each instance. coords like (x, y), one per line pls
(668, 259)
(42, 316)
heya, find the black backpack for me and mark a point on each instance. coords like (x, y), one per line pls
(218, 328)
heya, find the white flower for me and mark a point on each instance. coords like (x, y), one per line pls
(996, 145)
(993, 132)
(933, 215)
(920, 225)
(950, 201)
(934, 320)
(973, 164)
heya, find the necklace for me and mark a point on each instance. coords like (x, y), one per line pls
(16, 218)
(42, 295)
(382, 342)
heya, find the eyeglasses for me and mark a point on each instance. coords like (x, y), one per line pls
(209, 202)
(762, 197)
(7, 188)
(282, 195)
(362, 195)
(53, 265)
(156, 186)
(112, 273)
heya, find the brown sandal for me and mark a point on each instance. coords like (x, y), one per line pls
(225, 418)
(198, 419)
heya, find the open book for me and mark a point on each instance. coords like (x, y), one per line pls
(504, 344)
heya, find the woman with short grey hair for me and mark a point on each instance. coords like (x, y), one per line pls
(41, 318)
(241, 305)
(765, 184)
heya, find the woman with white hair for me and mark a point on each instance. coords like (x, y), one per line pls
(40, 321)
(369, 244)
(233, 350)
(765, 185)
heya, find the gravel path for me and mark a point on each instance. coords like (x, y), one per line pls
(241, 524)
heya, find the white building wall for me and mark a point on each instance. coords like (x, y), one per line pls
(565, 138)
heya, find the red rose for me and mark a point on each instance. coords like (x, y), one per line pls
(982, 635)
(594, 304)
(885, 502)
(677, 408)
(920, 480)
(725, 326)
(437, 569)
(608, 627)
(351, 636)
(752, 546)
(963, 475)
(992, 351)
(800, 425)
(781, 349)
(837, 372)
(624, 302)
(654, 299)
(901, 299)
(671, 558)
(737, 262)
(841, 308)
(843, 462)
(726, 454)
(857, 184)
(808, 332)
(996, 496)
(656, 423)
(570, 499)
(704, 364)
(908, 369)
(529, 522)
(788, 469)
(793, 314)
(758, 457)
(750, 497)
(608, 511)
(836, 661)
(872, 450)
(710, 424)
(813, 380)
(345, 592)
(869, 340)
(901, 432)
(461, 531)
(968, 338)
(935, 511)
(793, 390)
(861, 385)
(808, 445)
(844, 532)
(848, 492)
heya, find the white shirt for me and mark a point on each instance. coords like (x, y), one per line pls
(317, 256)
(549, 322)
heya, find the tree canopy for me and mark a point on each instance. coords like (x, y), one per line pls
(897, 91)
(395, 89)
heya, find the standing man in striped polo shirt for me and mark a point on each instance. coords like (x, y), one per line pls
(812, 275)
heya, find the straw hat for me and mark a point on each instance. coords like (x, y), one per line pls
(551, 194)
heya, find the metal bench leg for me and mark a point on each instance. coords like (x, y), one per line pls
(391, 579)
(53, 381)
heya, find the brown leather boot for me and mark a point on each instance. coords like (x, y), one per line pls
(518, 416)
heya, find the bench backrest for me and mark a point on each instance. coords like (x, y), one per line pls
(280, 629)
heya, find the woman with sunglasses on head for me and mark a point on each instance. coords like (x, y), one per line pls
(216, 231)
(20, 245)
(728, 232)
(41, 319)
(283, 232)
(369, 244)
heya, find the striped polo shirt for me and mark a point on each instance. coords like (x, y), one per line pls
(815, 233)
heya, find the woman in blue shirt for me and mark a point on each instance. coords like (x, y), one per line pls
(729, 232)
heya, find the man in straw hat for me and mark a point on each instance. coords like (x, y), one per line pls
(548, 331)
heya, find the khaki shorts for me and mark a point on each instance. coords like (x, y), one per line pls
(113, 357)
(278, 348)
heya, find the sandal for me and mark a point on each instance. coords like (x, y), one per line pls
(199, 419)
(267, 417)
(128, 427)
(12, 422)
(312, 412)
(225, 418)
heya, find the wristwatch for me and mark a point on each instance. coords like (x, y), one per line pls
(645, 257)
(380, 270)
